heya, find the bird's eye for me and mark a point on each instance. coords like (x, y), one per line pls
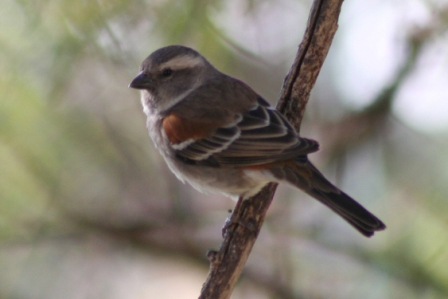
(167, 72)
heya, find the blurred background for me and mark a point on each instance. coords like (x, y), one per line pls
(88, 209)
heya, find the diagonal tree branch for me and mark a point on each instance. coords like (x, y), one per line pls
(247, 218)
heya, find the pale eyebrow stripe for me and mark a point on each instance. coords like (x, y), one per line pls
(182, 62)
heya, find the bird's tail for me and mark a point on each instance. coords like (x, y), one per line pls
(306, 177)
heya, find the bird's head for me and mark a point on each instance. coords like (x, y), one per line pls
(170, 73)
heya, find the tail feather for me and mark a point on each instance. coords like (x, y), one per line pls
(302, 174)
(346, 207)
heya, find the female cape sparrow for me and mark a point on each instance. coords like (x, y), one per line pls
(219, 135)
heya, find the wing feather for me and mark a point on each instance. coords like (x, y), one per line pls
(261, 135)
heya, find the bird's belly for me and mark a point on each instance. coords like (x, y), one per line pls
(232, 182)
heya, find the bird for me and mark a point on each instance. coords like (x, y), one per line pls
(219, 135)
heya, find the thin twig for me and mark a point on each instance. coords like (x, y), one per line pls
(247, 218)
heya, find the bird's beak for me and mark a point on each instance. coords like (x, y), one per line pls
(142, 81)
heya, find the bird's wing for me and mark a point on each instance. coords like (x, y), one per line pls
(257, 136)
